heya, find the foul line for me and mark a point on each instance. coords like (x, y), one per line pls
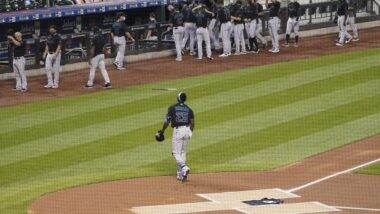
(356, 208)
(333, 175)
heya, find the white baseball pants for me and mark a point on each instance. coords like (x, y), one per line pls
(343, 34)
(203, 35)
(119, 42)
(273, 25)
(52, 66)
(352, 24)
(98, 61)
(19, 71)
(178, 38)
(181, 137)
(239, 38)
(189, 35)
(225, 32)
(292, 26)
(214, 35)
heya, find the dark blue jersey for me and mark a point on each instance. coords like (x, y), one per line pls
(119, 28)
(342, 8)
(176, 18)
(293, 9)
(179, 115)
(274, 9)
(223, 15)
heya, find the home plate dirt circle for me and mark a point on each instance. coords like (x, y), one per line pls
(320, 184)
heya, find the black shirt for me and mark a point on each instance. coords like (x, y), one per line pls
(98, 43)
(179, 115)
(52, 42)
(237, 10)
(223, 15)
(10, 52)
(188, 15)
(119, 29)
(293, 9)
(176, 18)
(201, 18)
(19, 51)
(342, 8)
(274, 9)
(253, 10)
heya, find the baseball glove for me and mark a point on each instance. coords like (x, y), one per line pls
(160, 136)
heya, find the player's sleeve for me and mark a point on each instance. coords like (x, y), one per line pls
(191, 115)
(169, 115)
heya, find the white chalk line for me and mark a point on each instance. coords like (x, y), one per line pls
(332, 176)
(357, 208)
(208, 198)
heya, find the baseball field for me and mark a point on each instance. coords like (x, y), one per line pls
(266, 118)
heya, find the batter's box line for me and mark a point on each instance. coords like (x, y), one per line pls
(357, 208)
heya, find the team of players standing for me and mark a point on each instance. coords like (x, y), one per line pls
(193, 23)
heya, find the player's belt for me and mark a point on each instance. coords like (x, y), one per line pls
(177, 127)
(18, 57)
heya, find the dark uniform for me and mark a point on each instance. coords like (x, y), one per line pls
(273, 24)
(254, 24)
(53, 60)
(179, 115)
(19, 66)
(237, 11)
(351, 19)
(224, 18)
(293, 23)
(118, 30)
(189, 27)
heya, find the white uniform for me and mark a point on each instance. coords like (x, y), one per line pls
(273, 25)
(353, 26)
(181, 137)
(292, 25)
(203, 35)
(53, 66)
(178, 38)
(255, 30)
(239, 38)
(119, 42)
(343, 34)
(214, 34)
(19, 71)
(98, 61)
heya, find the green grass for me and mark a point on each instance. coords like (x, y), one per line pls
(373, 169)
(245, 120)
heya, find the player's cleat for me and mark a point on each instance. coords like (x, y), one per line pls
(24, 90)
(88, 86)
(192, 53)
(120, 68)
(355, 39)
(178, 59)
(210, 58)
(286, 45)
(115, 64)
(243, 52)
(55, 86)
(16, 89)
(179, 176)
(185, 172)
(237, 53)
(107, 85)
(199, 58)
(48, 86)
(255, 51)
(229, 54)
(264, 46)
(182, 52)
(223, 55)
(274, 51)
(339, 44)
(349, 40)
(295, 45)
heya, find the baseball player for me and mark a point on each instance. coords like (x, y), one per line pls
(189, 27)
(351, 21)
(223, 17)
(213, 27)
(97, 54)
(118, 33)
(176, 22)
(19, 61)
(273, 24)
(181, 118)
(202, 15)
(10, 32)
(253, 23)
(237, 17)
(52, 56)
(293, 23)
(342, 13)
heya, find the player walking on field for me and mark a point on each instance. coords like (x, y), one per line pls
(19, 61)
(202, 16)
(181, 118)
(223, 16)
(97, 54)
(52, 56)
(293, 24)
(342, 14)
(118, 33)
(176, 22)
(273, 24)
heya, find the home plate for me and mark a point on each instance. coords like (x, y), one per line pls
(235, 201)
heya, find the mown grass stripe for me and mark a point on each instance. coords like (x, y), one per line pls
(34, 150)
(95, 149)
(217, 133)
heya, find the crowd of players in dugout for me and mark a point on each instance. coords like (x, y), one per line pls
(192, 23)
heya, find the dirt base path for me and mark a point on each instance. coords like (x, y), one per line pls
(166, 68)
(346, 190)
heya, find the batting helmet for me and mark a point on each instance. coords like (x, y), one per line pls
(181, 97)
